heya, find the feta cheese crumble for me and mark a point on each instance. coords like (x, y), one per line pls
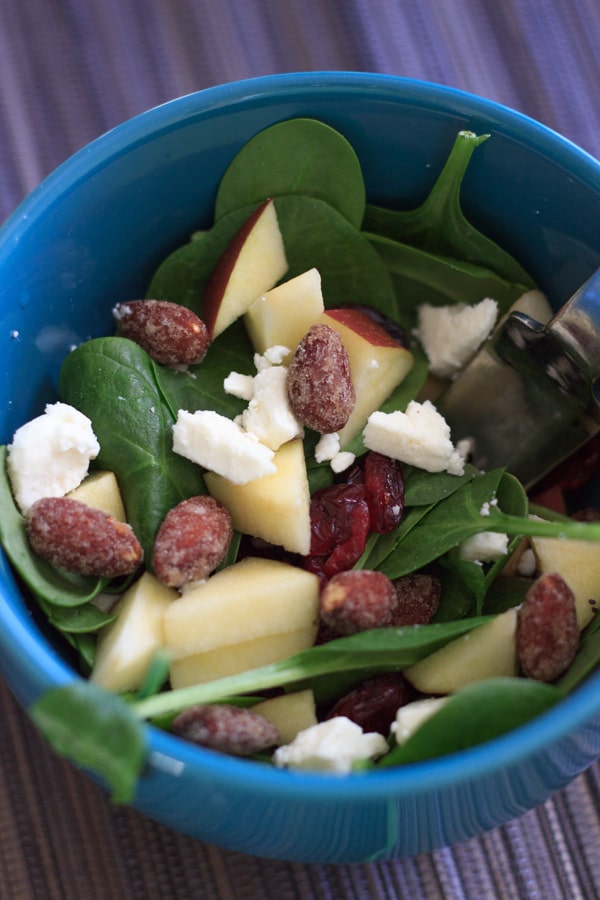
(486, 546)
(451, 335)
(331, 746)
(219, 444)
(50, 455)
(269, 415)
(420, 437)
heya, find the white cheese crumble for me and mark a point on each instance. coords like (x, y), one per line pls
(420, 437)
(216, 443)
(269, 415)
(412, 715)
(331, 746)
(487, 546)
(327, 447)
(50, 455)
(451, 335)
(342, 461)
(238, 385)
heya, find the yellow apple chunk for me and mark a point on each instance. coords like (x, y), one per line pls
(290, 713)
(101, 491)
(275, 508)
(378, 364)
(253, 263)
(127, 645)
(231, 660)
(578, 563)
(250, 599)
(283, 315)
(488, 651)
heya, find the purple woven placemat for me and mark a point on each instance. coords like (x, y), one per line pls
(70, 70)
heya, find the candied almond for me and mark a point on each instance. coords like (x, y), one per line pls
(319, 383)
(357, 600)
(78, 538)
(418, 597)
(192, 541)
(373, 704)
(170, 333)
(547, 631)
(228, 729)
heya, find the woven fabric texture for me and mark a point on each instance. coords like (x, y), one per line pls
(70, 70)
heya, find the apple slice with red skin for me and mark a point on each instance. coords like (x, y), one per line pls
(252, 264)
(378, 363)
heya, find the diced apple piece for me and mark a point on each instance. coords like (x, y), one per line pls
(378, 363)
(283, 315)
(231, 660)
(253, 263)
(275, 508)
(127, 645)
(250, 599)
(488, 651)
(290, 713)
(578, 563)
(101, 491)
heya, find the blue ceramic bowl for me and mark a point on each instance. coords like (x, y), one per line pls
(92, 234)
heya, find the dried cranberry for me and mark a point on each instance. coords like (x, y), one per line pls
(384, 490)
(374, 703)
(339, 526)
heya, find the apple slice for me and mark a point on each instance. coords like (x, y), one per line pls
(275, 507)
(578, 562)
(290, 713)
(251, 599)
(283, 315)
(127, 645)
(101, 491)
(378, 363)
(253, 263)
(486, 652)
(199, 668)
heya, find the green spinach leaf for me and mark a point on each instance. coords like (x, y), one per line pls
(439, 225)
(297, 156)
(379, 650)
(113, 381)
(475, 714)
(96, 730)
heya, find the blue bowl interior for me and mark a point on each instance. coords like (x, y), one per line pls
(92, 234)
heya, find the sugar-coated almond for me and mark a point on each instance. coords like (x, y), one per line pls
(170, 333)
(357, 600)
(229, 729)
(547, 631)
(78, 538)
(191, 541)
(319, 383)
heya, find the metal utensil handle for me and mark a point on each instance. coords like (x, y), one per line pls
(577, 327)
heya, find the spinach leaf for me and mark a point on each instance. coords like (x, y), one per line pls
(201, 387)
(439, 226)
(379, 650)
(297, 156)
(44, 580)
(445, 525)
(420, 276)
(475, 714)
(505, 592)
(113, 381)
(85, 619)
(423, 488)
(456, 601)
(96, 730)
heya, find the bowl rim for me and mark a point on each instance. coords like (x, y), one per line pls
(164, 749)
